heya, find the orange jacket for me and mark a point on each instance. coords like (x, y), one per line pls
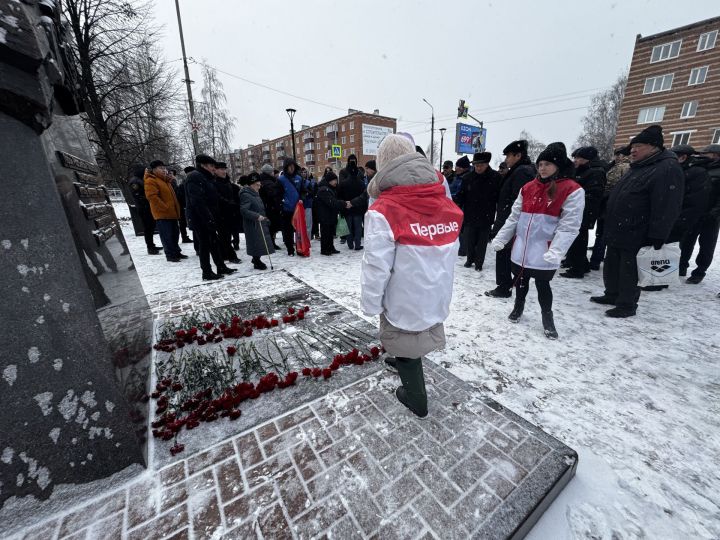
(161, 196)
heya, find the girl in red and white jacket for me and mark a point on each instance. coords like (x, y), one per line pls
(545, 220)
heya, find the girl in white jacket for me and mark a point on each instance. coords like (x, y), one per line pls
(545, 220)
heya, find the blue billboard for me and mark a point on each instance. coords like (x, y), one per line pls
(469, 139)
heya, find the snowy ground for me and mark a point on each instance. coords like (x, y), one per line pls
(637, 398)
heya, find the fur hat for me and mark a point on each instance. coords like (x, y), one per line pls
(204, 159)
(391, 147)
(371, 165)
(267, 169)
(516, 147)
(586, 152)
(651, 135)
(156, 163)
(555, 153)
(481, 157)
(463, 162)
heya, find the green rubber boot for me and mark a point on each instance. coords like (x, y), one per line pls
(412, 393)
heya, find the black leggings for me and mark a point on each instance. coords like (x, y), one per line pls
(545, 295)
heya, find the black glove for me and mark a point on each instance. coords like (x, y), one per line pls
(656, 244)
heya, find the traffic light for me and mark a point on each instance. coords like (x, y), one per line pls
(462, 109)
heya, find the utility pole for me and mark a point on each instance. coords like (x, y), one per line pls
(442, 139)
(432, 133)
(188, 82)
(291, 114)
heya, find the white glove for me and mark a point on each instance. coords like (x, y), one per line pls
(552, 258)
(497, 245)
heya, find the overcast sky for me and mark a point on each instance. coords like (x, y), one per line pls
(507, 59)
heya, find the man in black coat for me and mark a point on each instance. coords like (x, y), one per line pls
(462, 169)
(590, 174)
(520, 171)
(641, 211)
(707, 227)
(182, 199)
(137, 186)
(351, 186)
(271, 193)
(202, 211)
(228, 216)
(478, 198)
(328, 206)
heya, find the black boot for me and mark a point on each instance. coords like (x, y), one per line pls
(412, 393)
(604, 300)
(391, 364)
(549, 325)
(258, 264)
(517, 311)
(499, 292)
(226, 271)
(468, 264)
(209, 276)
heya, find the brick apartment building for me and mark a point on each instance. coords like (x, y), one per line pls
(357, 133)
(674, 81)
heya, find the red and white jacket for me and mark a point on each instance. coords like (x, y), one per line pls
(544, 228)
(408, 267)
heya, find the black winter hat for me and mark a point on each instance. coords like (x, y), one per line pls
(371, 165)
(221, 165)
(447, 164)
(555, 153)
(463, 162)
(683, 149)
(188, 170)
(330, 176)
(516, 147)
(156, 163)
(243, 180)
(651, 135)
(352, 157)
(204, 159)
(481, 157)
(586, 152)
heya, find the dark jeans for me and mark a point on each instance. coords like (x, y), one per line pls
(706, 231)
(545, 295)
(355, 225)
(476, 241)
(598, 251)
(169, 234)
(576, 258)
(620, 275)
(327, 233)
(148, 228)
(503, 268)
(208, 245)
(288, 231)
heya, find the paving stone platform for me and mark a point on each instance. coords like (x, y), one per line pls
(352, 464)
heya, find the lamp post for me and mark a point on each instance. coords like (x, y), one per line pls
(291, 114)
(432, 133)
(442, 138)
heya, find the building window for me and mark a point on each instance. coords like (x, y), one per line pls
(352, 150)
(665, 51)
(317, 134)
(707, 41)
(352, 125)
(698, 75)
(658, 84)
(342, 139)
(689, 109)
(326, 144)
(352, 138)
(681, 137)
(651, 115)
(716, 137)
(343, 127)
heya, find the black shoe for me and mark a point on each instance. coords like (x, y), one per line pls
(236, 247)
(694, 280)
(468, 264)
(334, 251)
(327, 253)
(594, 267)
(653, 288)
(403, 398)
(549, 325)
(478, 268)
(234, 260)
(227, 271)
(682, 273)
(209, 276)
(620, 312)
(183, 256)
(291, 253)
(604, 300)
(359, 248)
(186, 240)
(173, 259)
(517, 311)
(391, 364)
(259, 265)
(499, 292)
(572, 275)
(154, 251)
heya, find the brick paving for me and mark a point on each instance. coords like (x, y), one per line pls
(352, 464)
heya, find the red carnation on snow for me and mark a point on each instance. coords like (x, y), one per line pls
(274, 322)
(231, 350)
(375, 352)
(316, 372)
(300, 315)
(307, 371)
(291, 310)
(327, 373)
(208, 326)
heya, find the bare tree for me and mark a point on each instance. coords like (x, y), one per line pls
(601, 121)
(217, 122)
(534, 146)
(435, 152)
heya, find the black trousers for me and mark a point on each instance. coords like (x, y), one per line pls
(620, 275)
(224, 234)
(327, 233)
(598, 251)
(148, 228)
(476, 241)
(288, 231)
(576, 258)
(503, 268)
(208, 245)
(183, 225)
(706, 231)
(236, 239)
(545, 295)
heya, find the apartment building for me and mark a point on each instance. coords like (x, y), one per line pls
(357, 133)
(674, 81)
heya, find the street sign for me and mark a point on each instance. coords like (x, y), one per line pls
(469, 139)
(336, 151)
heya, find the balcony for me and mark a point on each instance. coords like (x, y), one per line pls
(308, 137)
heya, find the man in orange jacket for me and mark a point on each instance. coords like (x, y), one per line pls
(165, 208)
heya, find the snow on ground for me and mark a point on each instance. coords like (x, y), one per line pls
(638, 399)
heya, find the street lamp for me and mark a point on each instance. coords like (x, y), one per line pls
(432, 133)
(291, 114)
(442, 138)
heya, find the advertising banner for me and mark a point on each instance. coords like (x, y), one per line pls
(372, 136)
(469, 139)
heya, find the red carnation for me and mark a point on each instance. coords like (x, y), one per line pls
(177, 449)
(180, 333)
(301, 315)
(180, 344)
(218, 339)
(291, 310)
(177, 387)
(306, 309)
(316, 372)
(234, 414)
(193, 331)
(248, 332)
(208, 326)
(326, 373)
(375, 352)
(274, 322)
(223, 326)
(231, 350)
(155, 394)
(307, 371)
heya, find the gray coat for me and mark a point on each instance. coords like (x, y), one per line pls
(251, 208)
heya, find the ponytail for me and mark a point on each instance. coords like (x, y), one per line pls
(552, 190)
